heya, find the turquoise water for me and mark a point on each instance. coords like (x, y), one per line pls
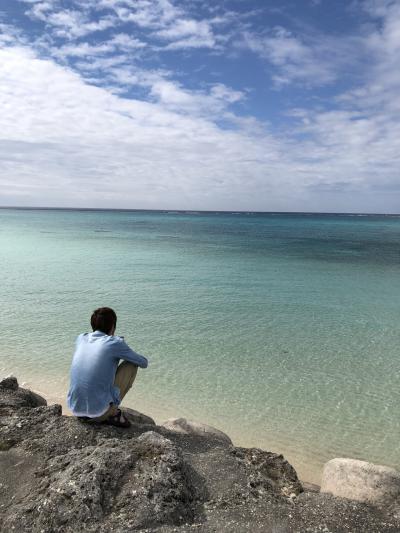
(282, 330)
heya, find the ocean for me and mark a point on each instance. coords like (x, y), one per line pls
(280, 329)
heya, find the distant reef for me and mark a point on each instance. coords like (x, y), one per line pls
(58, 474)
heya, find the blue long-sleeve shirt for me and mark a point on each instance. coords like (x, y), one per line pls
(93, 370)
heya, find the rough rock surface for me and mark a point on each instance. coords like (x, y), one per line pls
(362, 481)
(58, 474)
(138, 418)
(182, 425)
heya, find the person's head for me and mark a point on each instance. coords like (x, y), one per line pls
(104, 319)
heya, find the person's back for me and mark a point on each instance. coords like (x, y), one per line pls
(98, 384)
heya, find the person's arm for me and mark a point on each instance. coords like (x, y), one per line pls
(123, 351)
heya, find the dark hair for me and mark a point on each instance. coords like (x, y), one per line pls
(103, 319)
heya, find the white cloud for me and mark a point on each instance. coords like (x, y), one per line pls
(162, 18)
(379, 8)
(78, 144)
(70, 143)
(222, 92)
(381, 88)
(312, 60)
(9, 35)
(194, 41)
(40, 10)
(83, 49)
(174, 97)
(147, 13)
(185, 28)
(68, 23)
(127, 42)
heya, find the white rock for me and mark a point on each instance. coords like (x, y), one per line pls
(154, 439)
(362, 481)
(182, 425)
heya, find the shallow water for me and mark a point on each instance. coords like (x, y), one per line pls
(282, 330)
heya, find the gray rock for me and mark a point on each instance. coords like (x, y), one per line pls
(155, 440)
(107, 485)
(14, 397)
(58, 474)
(268, 472)
(189, 427)
(9, 383)
(137, 418)
(361, 481)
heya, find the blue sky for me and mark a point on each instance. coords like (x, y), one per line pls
(190, 104)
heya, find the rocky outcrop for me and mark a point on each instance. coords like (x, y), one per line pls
(12, 396)
(362, 481)
(58, 474)
(138, 418)
(182, 425)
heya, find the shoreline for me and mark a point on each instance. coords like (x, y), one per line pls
(65, 474)
(308, 461)
(308, 473)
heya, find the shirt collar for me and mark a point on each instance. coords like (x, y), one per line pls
(98, 333)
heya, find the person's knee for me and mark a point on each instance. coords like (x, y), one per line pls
(129, 369)
(127, 372)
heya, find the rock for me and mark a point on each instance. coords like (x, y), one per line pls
(10, 383)
(137, 418)
(112, 484)
(35, 398)
(269, 472)
(14, 397)
(189, 427)
(59, 474)
(361, 481)
(154, 440)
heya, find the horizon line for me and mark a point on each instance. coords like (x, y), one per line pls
(208, 211)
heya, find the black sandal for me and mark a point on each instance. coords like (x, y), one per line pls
(115, 420)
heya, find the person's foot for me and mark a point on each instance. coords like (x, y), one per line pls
(119, 420)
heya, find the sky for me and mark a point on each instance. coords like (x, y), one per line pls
(253, 105)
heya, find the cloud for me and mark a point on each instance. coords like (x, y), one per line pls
(9, 35)
(75, 144)
(68, 23)
(153, 14)
(187, 33)
(313, 60)
(175, 97)
(191, 42)
(126, 42)
(83, 50)
(381, 88)
(182, 145)
(164, 20)
(121, 42)
(83, 145)
(379, 8)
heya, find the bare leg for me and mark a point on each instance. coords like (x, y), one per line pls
(124, 378)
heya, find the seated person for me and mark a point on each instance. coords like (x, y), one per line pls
(98, 383)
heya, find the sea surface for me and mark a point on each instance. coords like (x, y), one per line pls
(283, 330)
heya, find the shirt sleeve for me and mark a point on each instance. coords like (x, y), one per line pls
(127, 354)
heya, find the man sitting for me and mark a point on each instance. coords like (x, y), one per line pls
(98, 384)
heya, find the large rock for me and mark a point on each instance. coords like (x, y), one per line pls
(362, 481)
(189, 427)
(114, 484)
(58, 474)
(14, 397)
(136, 417)
(9, 383)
